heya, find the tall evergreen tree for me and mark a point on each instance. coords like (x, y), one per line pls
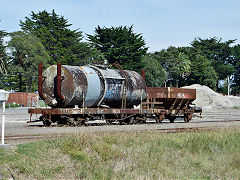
(218, 52)
(62, 44)
(120, 45)
(236, 64)
(154, 72)
(26, 52)
(202, 72)
(3, 68)
(176, 63)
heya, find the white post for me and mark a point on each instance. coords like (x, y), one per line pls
(3, 122)
(228, 82)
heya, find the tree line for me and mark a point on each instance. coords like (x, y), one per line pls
(46, 37)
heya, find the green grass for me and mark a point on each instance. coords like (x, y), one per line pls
(236, 107)
(11, 105)
(42, 103)
(123, 155)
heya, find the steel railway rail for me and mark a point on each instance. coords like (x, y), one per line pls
(161, 130)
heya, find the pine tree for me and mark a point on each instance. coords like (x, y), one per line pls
(120, 45)
(176, 63)
(62, 44)
(218, 52)
(155, 74)
(26, 52)
(202, 72)
(3, 68)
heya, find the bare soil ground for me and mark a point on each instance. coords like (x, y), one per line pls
(18, 131)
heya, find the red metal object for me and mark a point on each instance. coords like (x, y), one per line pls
(143, 74)
(169, 98)
(40, 81)
(171, 92)
(59, 81)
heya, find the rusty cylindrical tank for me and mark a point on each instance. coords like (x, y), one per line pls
(91, 86)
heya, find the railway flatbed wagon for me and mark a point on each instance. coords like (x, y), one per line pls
(80, 94)
(78, 116)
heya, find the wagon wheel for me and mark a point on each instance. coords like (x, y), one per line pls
(130, 120)
(66, 121)
(140, 120)
(187, 117)
(172, 119)
(159, 118)
(71, 122)
(45, 120)
(121, 122)
(82, 123)
(47, 123)
(109, 122)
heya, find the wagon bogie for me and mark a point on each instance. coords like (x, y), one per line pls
(46, 121)
(159, 117)
(172, 118)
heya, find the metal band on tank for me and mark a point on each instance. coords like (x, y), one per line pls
(93, 87)
(105, 84)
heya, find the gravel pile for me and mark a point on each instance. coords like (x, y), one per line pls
(207, 98)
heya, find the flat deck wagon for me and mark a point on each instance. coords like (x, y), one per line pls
(160, 103)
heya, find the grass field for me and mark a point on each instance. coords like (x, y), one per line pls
(137, 155)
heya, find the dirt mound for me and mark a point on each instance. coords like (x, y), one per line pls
(207, 98)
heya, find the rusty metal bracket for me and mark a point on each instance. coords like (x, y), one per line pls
(59, 82)
(40, 81)
(173, 104)
(180, 104)
(186, 105)
(143, 75)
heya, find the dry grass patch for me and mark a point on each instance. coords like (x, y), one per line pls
(124, 155)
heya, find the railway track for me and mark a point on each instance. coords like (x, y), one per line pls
(23, 138)
(212, 121)
(103, 123)
(18, 131)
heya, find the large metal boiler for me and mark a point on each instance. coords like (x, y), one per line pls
(90, 86)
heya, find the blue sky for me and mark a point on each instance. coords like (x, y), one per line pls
(162, 22)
